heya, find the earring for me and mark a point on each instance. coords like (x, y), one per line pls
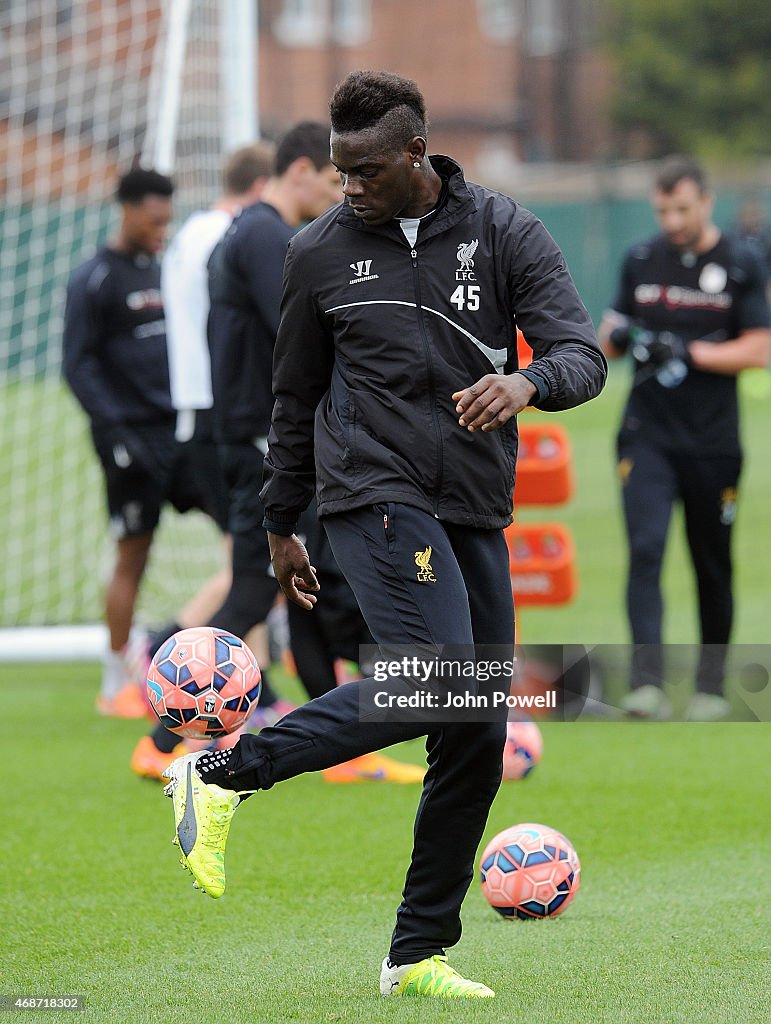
(416, 163)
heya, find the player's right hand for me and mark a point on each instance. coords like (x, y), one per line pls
(293, 570)
(128, 449)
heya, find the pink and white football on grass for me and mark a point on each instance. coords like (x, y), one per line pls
(203, 683)
(530, 871)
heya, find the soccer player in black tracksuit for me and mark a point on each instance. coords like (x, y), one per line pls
(115, 362)
(396, 389)
(691, 307)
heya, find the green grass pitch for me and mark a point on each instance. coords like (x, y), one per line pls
(671, 923)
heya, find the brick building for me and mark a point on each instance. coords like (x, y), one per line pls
(505, 80)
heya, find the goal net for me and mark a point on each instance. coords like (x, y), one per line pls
(87, 87)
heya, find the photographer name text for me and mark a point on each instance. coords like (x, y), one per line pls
(466, 699)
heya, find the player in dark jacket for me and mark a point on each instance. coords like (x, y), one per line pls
(397, 388)
(116, 365)
(691, 308)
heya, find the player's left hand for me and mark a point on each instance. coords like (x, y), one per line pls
(493, 400)
(294, 572)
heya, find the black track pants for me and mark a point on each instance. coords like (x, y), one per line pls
(653, 480)
(463, 598)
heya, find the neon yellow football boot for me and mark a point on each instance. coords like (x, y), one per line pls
(202, 815)
(430, 977)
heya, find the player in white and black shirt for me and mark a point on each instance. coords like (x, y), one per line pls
(691, 308)
(185, 290)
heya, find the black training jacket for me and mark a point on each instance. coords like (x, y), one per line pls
(245, 290)
(375, 337)
(114, 348)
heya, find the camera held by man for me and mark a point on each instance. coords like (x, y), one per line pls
(665, 352)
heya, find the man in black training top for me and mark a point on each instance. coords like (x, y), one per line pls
(244, 278)
(396, 390)
(116, 364)
(692, 310)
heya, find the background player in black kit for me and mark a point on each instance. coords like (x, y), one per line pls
(115, 362)
(185, 290)
(692, 310)
(245, 271)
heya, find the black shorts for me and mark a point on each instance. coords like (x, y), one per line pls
(136, 494)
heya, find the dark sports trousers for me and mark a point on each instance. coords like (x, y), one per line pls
(469, 602)
(653, 480)
(254, 587)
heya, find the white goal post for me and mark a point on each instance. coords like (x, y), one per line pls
(89, 87)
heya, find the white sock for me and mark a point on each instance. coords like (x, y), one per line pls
(113, 674)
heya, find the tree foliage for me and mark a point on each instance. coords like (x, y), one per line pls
(692, 75)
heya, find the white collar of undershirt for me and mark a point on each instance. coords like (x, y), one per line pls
(410, 225)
